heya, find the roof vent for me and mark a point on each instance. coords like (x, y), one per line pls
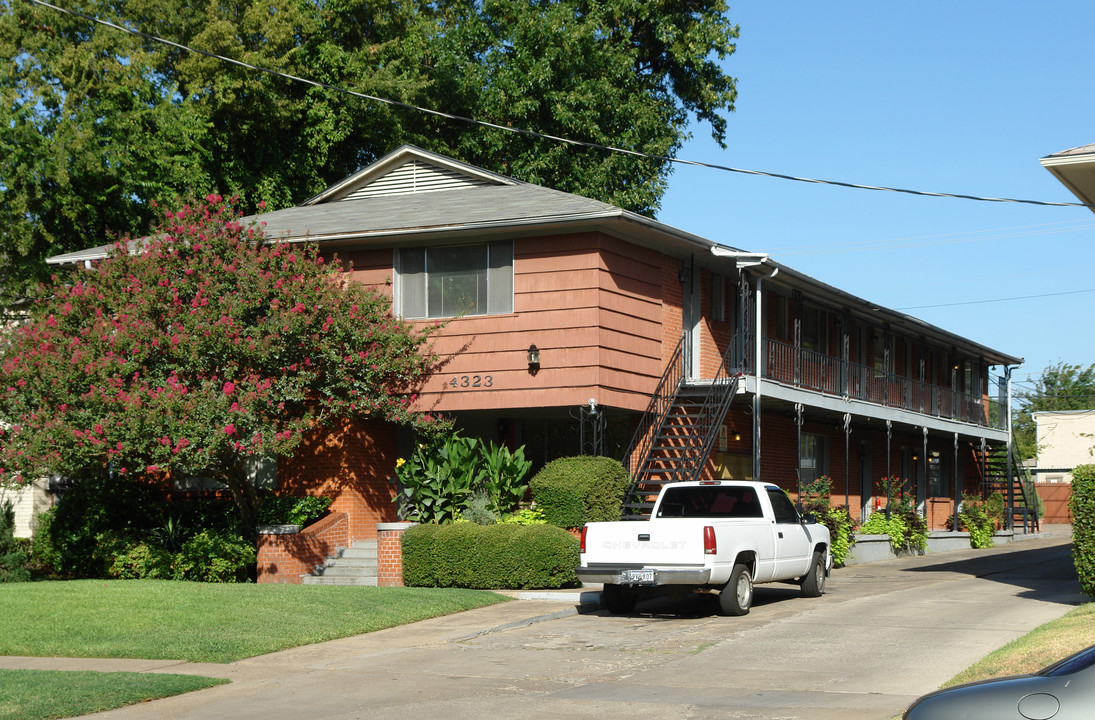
(415, 176)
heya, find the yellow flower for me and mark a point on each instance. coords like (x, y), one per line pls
(400, 462)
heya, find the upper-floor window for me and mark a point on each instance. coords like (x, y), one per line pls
(718, 297)
(814, 329)
(454, 280)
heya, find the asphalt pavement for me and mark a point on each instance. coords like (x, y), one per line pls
(883, 634)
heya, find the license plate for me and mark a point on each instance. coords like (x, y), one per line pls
(640, 576)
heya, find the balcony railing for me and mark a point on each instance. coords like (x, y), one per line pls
(832, 376)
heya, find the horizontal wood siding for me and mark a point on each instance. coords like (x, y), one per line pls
(592, 306)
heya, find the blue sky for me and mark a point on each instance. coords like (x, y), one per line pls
(961, 97)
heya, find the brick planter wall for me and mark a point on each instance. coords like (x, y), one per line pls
(389, 553)
(286, 557)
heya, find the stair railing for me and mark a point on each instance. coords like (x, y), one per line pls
(642, 442)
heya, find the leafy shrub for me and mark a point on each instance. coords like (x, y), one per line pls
(436, 482)
(142, 560)
(1082, 507)
(439, 479)
(994, 509)
(96, 504)
(43, 558)
(503, 473)
(908, 532)
(489, 556)
(573, 491)
(841, 533)
(816, 499)
(525, 516)
(478, 510)
(13, 558)
(213, 557)
(291, 510)
(974, 518)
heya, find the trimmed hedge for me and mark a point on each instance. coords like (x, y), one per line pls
(573, 491)
(1082, 507)
(465, 555)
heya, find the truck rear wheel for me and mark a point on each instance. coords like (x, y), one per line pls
(618, 600)
(813, 582)
(737, 597)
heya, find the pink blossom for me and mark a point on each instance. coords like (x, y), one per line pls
(229, 388)
(230, 429)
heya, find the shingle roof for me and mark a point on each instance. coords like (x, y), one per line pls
(1082, 150)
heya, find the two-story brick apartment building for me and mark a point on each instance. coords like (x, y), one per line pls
(567, 315)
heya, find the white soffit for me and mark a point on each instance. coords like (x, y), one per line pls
(1075, 169)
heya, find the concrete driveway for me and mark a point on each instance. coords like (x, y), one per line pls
(883, 634)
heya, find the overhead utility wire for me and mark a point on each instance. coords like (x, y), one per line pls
(981, 302)
(544, 136)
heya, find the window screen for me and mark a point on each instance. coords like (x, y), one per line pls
(456, 280)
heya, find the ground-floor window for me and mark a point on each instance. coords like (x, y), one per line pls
(813, 457)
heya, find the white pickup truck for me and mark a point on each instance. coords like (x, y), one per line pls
(707, 536)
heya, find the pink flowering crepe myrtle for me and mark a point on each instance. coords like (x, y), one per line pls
(197, 348)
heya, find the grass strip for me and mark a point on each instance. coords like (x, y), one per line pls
(202, 622)
(1040, 647)
(47, 694)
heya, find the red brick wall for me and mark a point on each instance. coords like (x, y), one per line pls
(285, 558)
(389, 554)
(351, 463)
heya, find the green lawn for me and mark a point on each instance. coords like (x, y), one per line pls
(46, 694)
(200, 622)
(197, 622)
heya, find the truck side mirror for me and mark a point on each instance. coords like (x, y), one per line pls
(809, 519)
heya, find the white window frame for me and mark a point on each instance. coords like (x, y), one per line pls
(495, 297)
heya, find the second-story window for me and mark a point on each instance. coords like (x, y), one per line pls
(814, 329)
(718, 297)
(454, 280)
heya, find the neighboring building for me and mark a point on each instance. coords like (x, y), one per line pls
(28, 501)
(1066, 438)
(566, 316)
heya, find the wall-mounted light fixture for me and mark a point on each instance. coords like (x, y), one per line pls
(735, 434)
(533, 358)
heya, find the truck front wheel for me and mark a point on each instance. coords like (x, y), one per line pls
(737, 597)
(813, 582)
(618, 600)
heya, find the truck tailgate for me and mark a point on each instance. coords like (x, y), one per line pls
(665, 542)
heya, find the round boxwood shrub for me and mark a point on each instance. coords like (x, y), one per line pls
(573, 491)
(509, 556)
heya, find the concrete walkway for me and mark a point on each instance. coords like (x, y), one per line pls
(884, 633)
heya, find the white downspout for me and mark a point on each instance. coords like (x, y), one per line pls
(758, 349)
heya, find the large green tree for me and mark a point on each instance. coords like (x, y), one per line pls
(199, 351)
(1063, 386)
(96, 124)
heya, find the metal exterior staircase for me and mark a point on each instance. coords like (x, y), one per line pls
(678, 431)
(1012, 480)
(355, 565)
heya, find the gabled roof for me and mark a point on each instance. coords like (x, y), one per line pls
(1075, 169)
(413, 195)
